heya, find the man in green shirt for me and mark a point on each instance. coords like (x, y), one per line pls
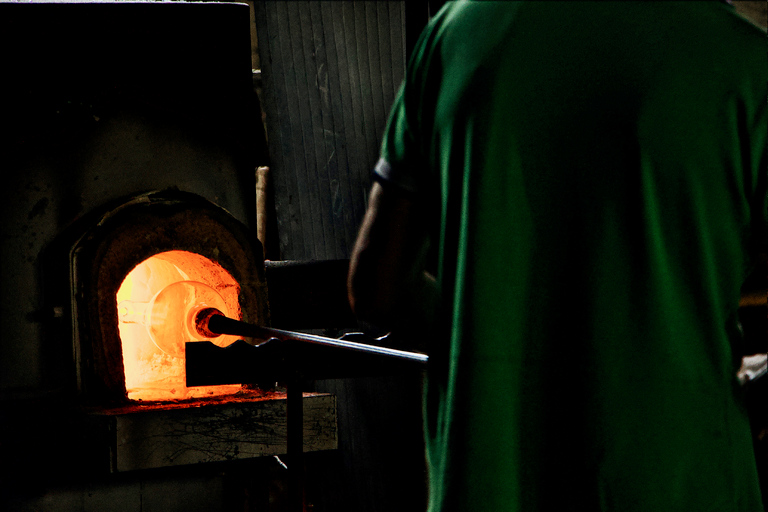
(591, 179)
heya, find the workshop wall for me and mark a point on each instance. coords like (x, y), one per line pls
(329, 75)
(330, 71)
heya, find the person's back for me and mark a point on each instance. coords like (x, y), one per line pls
(601, 174)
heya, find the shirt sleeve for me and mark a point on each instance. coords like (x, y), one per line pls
(403, 159)
(401, 155)
(399, 146)
(398, 176)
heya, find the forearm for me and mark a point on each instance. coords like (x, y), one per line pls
(387, 284)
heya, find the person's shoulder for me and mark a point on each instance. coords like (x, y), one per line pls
(472, 25)
(741, 38)
(723, 19)
(751, 18)
(482, 14)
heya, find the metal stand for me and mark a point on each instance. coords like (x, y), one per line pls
(288, 357)
(295, 443)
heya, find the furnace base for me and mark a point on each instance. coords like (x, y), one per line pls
(152, 436)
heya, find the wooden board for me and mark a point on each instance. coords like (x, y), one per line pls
(330, 71)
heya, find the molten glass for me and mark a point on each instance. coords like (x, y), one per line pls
(157, 305)
(170, 316)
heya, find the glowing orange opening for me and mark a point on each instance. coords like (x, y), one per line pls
(156, 306)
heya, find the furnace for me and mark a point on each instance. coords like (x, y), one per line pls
(133, 135)
(140, 273)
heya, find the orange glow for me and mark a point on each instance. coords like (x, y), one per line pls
(156, 306)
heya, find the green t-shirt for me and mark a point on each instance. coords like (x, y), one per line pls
(599, 173)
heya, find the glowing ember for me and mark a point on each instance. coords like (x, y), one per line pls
(156, 306)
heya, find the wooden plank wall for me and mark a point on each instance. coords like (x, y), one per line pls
(330, 72)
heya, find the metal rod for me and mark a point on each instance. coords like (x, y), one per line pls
(295, 443)
(217, 323)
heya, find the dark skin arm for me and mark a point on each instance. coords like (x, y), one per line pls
(387, 284)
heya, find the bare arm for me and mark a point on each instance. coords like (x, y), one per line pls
(387, 285)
